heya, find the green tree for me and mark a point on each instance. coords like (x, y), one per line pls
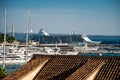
(3, 72)
(1, 38)
(8, 38)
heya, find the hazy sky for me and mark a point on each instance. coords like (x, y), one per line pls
(97, 17)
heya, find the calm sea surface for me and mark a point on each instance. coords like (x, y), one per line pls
(11, 68)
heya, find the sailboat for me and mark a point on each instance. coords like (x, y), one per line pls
(14, 58)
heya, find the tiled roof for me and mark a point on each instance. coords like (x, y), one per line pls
(70, 67)
(60, 67)
(87, 69)
(35, 61)
(110, 70)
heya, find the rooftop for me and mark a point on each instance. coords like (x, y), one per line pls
(69, 67)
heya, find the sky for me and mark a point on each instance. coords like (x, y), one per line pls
(91, 17)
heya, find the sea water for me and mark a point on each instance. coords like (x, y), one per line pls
(98, 54)
(12, 67)
(105, 39)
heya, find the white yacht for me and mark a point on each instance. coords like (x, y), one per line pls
(14, 60)
(70, 53)
(84, 47)
(56, 50)
(14, 55)
(48, 51)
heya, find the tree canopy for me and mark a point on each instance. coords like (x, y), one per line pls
(8, 38)
(3, 73)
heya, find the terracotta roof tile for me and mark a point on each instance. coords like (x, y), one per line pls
(87, 69)
(31, 65)
(110, 70)
(61, 67)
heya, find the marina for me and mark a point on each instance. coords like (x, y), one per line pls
(15, 55)
(59, 40)
(13, 63)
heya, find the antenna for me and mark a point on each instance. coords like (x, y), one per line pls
(4, 43)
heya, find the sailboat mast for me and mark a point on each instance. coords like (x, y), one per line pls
(27, 25)
(4, 43)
